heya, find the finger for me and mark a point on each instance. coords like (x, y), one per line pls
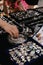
(15, 34)
(10, 33)
(15, 31)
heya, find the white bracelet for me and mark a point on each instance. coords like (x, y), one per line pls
(35, 6)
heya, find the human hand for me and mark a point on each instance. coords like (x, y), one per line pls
(11, 29)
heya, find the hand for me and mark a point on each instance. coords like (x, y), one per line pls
(11, 29)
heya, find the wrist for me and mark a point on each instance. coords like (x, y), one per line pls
(2, 23)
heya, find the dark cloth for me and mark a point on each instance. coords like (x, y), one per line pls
(32, 2)
(4, 45)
